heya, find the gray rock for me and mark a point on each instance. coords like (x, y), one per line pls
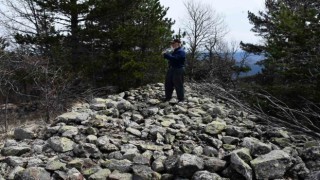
(102, 174)
(92, 139)
(124, 105)
(90, 171)
(24, 133)
(15, 171)
(170, 164)
(16, 161)
(73, 116)
(116, 175)
(137, 118)
(91, 131)
(128, 147)
(142, 172)
(210, 151)
(141, 160)
(59, 175)
(313, 176)
(157, 129)
(158, 164)
(299, 170)
(167, 177)
(235, 131)
(10, 142)
(205, 175)
(87, 150)
(272, 165)
(115, 155)
(98, 106)
(244, 154)
(152, 111)
(197, 150)
(134, 131)
(101, 141)
(74, 174)
(188, 164)
(34, 162)
(61, 144)
(68, 131)
(33, 173)
(120, 165)
(55, 165)
(15, 150)
(311, 156)
(256, 147)
(213, 164)
(215, 127)
(240, 166)
(169, 138)
(230, 140)
(76, 163)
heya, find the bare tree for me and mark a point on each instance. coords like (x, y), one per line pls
(204, 28)
(25, 17)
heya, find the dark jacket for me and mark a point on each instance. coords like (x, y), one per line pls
(177, 58)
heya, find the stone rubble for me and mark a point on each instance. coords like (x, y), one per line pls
(133, 135)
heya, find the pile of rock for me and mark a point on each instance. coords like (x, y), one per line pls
(133, 135)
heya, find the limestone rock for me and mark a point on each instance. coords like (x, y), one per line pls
(116, 175)
(240, 166)
(15, 171)
(24, 133)
(143, 172)
(33, 173)
(132, 135)
(102, 174)
(120, 165)
(55, 165)
(205, 175)
(213, 164)
(272, 165)
(215, 127)
(188, 164)
(256, 147)
(15, 150)
(61, 144)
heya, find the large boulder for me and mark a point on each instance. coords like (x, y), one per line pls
(33, 173)
(241, 166)
(120, 165)
(188, 164)
(15, 150)
(272, 165)
(142, 172)
(256, 147)
(25, 133)
(215, 127)
(61, 144)
(205, 175)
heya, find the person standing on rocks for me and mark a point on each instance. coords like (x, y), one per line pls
(175, 73)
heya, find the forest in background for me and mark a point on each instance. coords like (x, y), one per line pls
(59, 51)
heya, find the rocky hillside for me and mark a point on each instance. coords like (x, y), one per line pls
(132, 135)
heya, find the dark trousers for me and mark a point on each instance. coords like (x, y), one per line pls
(174, 80)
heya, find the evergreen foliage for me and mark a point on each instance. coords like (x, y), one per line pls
(113, 42)
(290, 29)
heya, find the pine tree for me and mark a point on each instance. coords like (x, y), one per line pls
(129, 39)
(70, 14)
(290, 29)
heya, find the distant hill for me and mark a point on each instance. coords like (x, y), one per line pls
(251, 62)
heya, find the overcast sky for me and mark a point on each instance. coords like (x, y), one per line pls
(234, 11)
